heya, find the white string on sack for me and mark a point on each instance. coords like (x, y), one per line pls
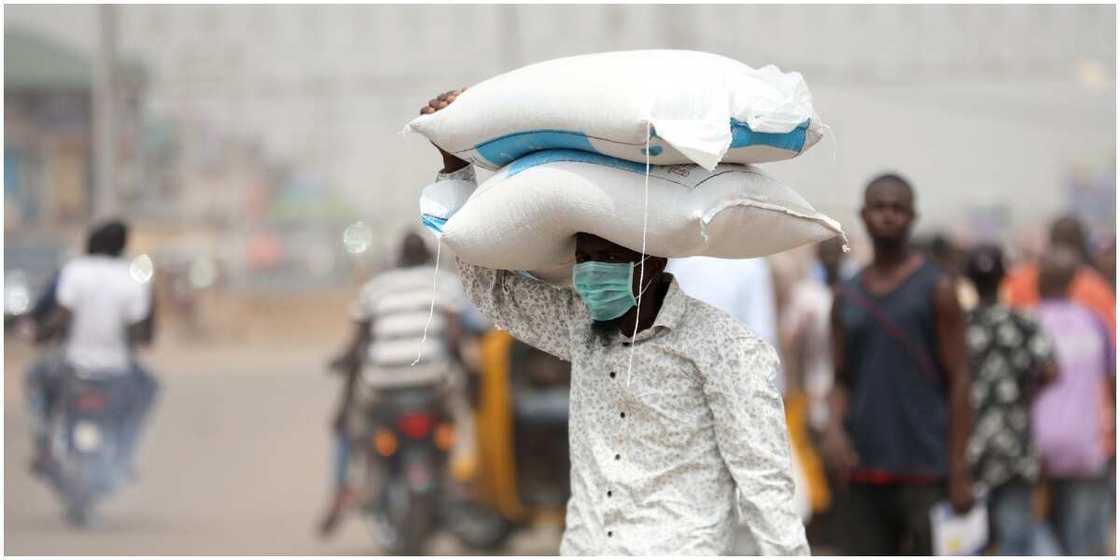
(432, 309)
(828, 131)
(642, 265)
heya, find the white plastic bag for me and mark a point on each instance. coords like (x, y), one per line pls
(525, 217)
(699, 107)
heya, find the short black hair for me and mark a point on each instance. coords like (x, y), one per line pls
(1070, 230)
(890, 179)
(985, 267)
(413, 251)
(108, 239)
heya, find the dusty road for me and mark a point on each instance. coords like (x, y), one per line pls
(234, 462)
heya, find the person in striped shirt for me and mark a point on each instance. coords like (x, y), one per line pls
(406, 335)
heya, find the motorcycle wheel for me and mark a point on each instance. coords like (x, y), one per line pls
(418, 525)
(405, 525)
(78, 514)
(479, 527)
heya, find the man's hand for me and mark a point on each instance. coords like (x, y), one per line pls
(960, 492)
(441, 101)
(344, 363)
(339, 422)
(838, 451)
(450, 162)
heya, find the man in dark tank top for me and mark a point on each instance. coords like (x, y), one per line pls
(901, 413)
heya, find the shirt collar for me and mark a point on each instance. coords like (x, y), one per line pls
(672, 307)
(669, 316)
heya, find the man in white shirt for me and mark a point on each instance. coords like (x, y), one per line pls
(666, 455)
(743, 288)
(105, 312)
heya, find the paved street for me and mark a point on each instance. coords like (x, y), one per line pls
(234, 462)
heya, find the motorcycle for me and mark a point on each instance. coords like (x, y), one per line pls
(408, 435)
(84, 444)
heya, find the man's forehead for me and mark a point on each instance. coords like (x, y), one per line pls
(593, 243)
(888, 191)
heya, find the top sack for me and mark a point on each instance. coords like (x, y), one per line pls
(698, 107)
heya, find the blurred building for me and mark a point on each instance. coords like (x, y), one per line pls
(48, 130)
(986, 108)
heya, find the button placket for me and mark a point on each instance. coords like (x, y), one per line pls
(611, 504)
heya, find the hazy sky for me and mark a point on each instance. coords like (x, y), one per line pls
(982, 124)
(73, 25)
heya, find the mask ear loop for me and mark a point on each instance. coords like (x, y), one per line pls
(432, 309)
(642, 266)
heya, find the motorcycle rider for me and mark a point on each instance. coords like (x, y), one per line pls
(393, 312)
(102, 313)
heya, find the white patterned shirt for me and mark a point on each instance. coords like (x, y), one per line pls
(660, 462)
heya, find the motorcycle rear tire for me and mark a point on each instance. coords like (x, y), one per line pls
(78, 514)
(481, 528)
(418, 526)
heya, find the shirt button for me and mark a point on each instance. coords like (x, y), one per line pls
(617, 457)
(622, 415)
(610, 533)
(609, 493)
(612, 375)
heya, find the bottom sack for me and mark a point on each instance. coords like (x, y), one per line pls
(525, 217)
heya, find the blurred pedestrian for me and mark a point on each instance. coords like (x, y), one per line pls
(805, 334)
(1011, 358)
(1074, 421)
(1105, 262)
(396, 320)
(901, 414)
(667, 454)
(807, 352)
(744, 288)
(1089, 288)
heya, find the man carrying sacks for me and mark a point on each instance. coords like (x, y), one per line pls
(677, 427)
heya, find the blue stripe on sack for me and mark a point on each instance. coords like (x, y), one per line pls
(433, 223)
(742, 136)
(501, 151)
(506, 149)
(553, 156)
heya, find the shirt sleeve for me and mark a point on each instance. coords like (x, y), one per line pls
(751, 433)
(66, 290)
(1039, 347)
(533, 311)
(139, 304)
(1109, 347)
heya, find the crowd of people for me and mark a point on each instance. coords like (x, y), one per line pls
(939, 372)
(932, 373)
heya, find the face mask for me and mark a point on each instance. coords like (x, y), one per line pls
(605, 288)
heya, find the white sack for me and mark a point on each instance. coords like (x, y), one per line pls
(525, 217)
(703, 108)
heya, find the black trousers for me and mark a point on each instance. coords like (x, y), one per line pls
(888, 519)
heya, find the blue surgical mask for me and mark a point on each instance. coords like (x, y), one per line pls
(605, 288)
